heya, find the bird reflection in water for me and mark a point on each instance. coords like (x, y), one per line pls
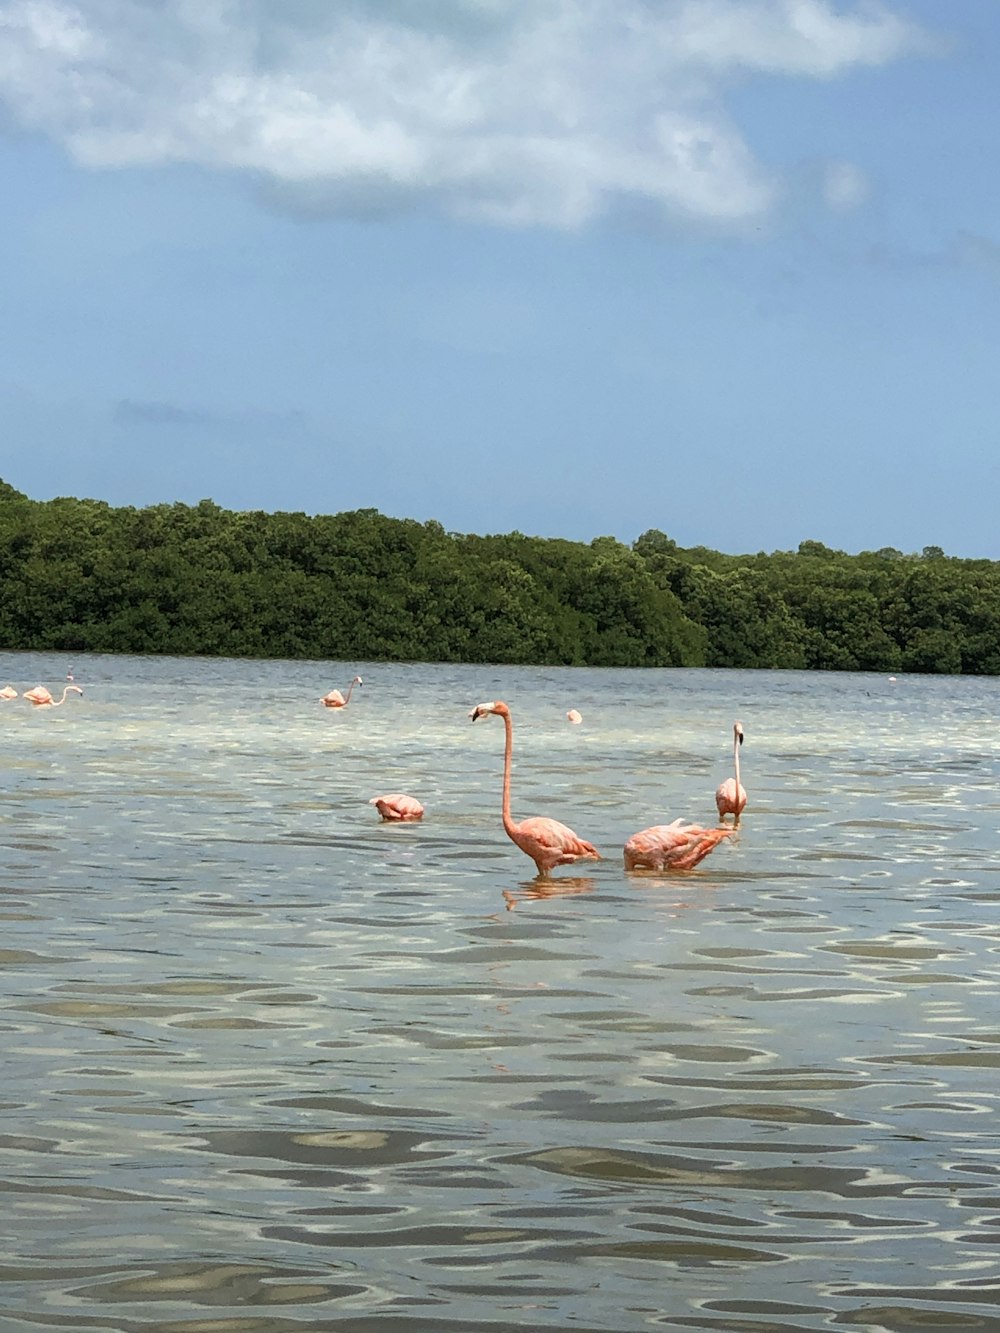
(548, 888)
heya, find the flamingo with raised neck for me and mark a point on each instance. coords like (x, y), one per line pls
(731, 796)
(548, 842)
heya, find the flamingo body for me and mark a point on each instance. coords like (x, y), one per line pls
(8, 692)
(731, 796)
(334, 698)
(573, 716)
(548, 842)
(398, 808)
(676, 846)
(42, 698)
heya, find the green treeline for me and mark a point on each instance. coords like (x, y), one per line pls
(78, 575)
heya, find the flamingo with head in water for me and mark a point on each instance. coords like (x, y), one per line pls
(334, 698)
(42, 698)
(546, 841)
(398, 808)
(677, 846)
(8, 692)
(731, 796)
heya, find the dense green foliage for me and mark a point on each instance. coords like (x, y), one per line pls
(77, 575)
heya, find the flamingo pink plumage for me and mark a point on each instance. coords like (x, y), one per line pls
(42, 698)
(334, 698)
(676, 846)
(573, 716)
(730, 796)
(546, 841)
(8, 692)
(398, 808)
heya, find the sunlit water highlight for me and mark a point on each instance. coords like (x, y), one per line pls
(271, 1065)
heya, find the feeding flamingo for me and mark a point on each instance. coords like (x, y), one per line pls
(731, 796)
(8, 692)
(676, 846)
(546, 841)
(398, 808)
(42, 698)
(334, 699)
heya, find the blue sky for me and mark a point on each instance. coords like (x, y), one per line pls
(727, 268)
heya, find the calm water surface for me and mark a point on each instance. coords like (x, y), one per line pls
(270, 1065)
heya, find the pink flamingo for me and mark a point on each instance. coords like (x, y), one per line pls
(676, 846)
(730, 796)
(334, 699)
(573, 716)
(398, 808)
(546, 841)
(42, 698)
(8, 692)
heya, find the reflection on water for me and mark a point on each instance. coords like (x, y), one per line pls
(272, 1065)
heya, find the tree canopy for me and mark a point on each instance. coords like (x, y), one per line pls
(79, 575)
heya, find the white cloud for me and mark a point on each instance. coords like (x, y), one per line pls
(517, 111)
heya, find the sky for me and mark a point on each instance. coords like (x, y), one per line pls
(575, 268)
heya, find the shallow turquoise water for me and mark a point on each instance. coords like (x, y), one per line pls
(271, 1065)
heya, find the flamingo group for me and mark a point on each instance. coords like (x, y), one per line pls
(334, 698)
(680, 845)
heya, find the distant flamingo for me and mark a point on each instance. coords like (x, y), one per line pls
(730, 796)
(676, 846)
(8, 692)
(41, 697)
(397, 808)
(573, 716)
(334, 699)
(546, 841)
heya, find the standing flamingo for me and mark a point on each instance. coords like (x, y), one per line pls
(730, 796)
(546, 841)
(42, 698)
(676, 846)
(8, 692)
(334, 699)
(398, 808)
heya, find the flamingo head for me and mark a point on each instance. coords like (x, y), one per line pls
(738, 732)
(484, 710)
(357, 681)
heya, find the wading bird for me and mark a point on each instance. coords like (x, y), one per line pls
(398, 808)
(573, 716)
(334, 699)
(41, 697)
(676, 846)
(730, 796)
(8, 692)
(546, 841)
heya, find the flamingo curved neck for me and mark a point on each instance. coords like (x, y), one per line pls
(350, 691)
(736, 763)
(508, 750)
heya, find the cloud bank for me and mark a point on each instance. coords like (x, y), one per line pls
(517, 112)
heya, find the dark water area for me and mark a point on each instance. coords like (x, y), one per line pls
(272, 1066)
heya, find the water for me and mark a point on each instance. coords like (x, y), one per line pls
(270, 1065)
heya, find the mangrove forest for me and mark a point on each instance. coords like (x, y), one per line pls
(79, 575)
